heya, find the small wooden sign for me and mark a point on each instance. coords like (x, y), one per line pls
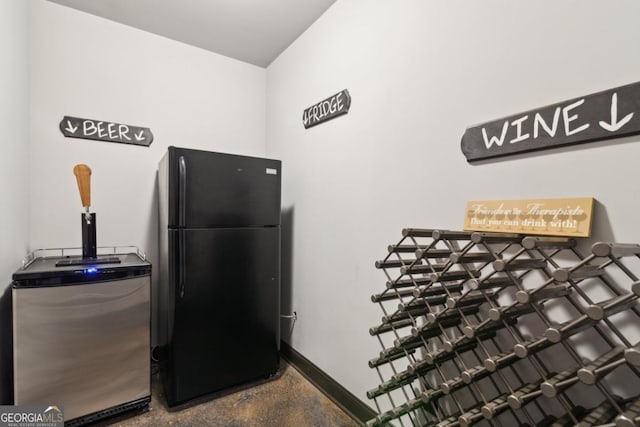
(74, 127)
(609, 114)
(327, 109)
(550, 217)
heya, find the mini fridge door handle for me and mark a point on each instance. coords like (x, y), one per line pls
(182, 210)
(182, 261)
(182, 196)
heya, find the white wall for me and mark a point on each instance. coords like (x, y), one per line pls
(88, 67)
(14, 133)
(14, 170)
(419, 72)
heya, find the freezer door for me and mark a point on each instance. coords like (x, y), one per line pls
(225, 323)
(221, 190)
(86, 346)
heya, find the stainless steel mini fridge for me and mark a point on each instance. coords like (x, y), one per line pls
(81, 334)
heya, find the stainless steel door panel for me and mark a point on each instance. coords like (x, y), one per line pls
(84, 346)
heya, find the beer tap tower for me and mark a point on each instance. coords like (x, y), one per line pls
(88, 219)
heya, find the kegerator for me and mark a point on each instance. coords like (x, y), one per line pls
(81, 333)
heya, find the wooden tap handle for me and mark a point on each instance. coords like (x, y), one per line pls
(83, 176)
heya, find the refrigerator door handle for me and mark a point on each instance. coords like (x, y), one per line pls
(182, 202)
(181, 264)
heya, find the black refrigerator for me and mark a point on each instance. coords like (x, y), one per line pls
(219, 271)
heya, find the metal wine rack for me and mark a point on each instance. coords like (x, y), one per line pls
(507, 329)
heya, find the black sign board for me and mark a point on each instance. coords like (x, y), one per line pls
(74, 127)
(327, 109)
(609, 114)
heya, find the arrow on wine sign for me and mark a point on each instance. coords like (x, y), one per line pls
(615, 124)
(74, 127)
(609, 114)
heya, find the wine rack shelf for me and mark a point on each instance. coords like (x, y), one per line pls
(501, 329)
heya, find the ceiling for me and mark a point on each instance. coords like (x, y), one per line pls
(253, 31)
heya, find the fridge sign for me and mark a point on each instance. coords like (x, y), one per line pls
(327, 109)
(74, 127)
(609, 114)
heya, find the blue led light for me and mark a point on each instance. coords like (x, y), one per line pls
(91, 270)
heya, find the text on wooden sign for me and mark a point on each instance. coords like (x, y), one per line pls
(551, 217)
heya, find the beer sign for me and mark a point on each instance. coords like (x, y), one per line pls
(100, 130)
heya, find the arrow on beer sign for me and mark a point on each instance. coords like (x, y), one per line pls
(75, 127)
(609, 114)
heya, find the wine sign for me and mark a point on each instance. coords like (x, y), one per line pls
(74, 127)
(550, 217)
(327, 109)
(609, 114)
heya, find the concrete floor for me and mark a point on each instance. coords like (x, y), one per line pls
(287, 401)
